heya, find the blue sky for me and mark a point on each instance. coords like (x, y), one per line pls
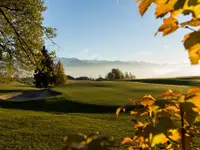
(107, 30)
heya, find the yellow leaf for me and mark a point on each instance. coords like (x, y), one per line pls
(158, 139)
(192, 44)
(195, 100)
(144, 5)
(127, 140)
(175, 135)
(169, 25)
(194, 22)
(164, 7)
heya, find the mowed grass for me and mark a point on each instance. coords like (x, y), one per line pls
(113, 93)
(28, 130)
(83, 107)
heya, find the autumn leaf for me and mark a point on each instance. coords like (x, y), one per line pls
(172, 108)
(177, 115)
(195, 100)
(179, 4)
(174, 134)
(192, 44)
(118, 111)
(169, 25)
(193, 22)
(144, 5)
(127, 140)
(193, 2)
(148, 100)
(193, 91)
(158, 139)
(131, 148)
(169, 94)
(133, 112)
(164, 7)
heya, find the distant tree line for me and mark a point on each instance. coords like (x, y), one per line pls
(117, 74)
(114, 74)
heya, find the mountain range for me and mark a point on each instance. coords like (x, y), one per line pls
(95, 68)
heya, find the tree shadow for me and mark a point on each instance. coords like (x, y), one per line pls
(58, 104)
(185, 82)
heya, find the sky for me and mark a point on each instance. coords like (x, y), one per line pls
(107, 30)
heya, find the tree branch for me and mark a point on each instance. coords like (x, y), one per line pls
(187, 27)
(11, 9)
(18, 35)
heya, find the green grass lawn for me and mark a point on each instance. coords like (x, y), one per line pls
(83, 107)
(113, 93)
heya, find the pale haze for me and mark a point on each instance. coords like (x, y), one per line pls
(107, 30)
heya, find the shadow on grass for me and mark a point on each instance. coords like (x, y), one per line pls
(57, 104)
(186, 82)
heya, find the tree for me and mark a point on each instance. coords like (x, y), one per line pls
(60, 77)
(118, 74)
(45, 73)
(21, 32)
(126, 76)
(169, 10)
(131, 76)
(111, 76)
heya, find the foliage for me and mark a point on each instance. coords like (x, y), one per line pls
(111, 76)
(115, 74)
(45, 73)
(22, 34)
(129, 76)
(169, 122)
(92, 141)
(170, 10)
(60, 77)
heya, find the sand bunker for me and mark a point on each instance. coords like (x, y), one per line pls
(28, 95)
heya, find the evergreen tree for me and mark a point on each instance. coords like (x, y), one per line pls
(60, 77)
(45, 73)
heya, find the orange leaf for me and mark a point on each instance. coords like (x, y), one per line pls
(174, 108)
(169, 25)
(193, 91)
(177, 115)
(133, 112)
(148, 100)
(118, 111)
(127, 140)
(144, 5)
(130, 148)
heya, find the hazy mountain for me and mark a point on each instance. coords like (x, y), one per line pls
(94, 68)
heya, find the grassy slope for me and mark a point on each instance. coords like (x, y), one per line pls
(113, 93)
(37, 130)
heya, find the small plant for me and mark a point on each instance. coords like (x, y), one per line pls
(169, 122)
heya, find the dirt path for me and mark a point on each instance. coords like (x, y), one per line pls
(28, 95)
